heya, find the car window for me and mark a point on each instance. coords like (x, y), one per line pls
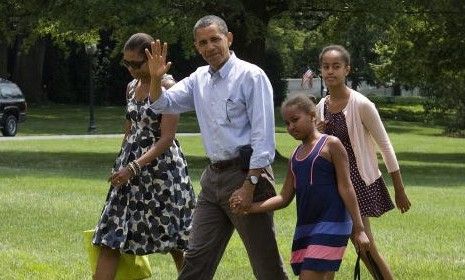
(10, 90)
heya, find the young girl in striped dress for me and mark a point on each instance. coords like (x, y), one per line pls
(327, 210)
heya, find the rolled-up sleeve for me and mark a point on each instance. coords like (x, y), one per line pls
(260, 110)
(372, 121)
(178, 99)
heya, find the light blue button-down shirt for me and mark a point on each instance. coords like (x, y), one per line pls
(234, 107)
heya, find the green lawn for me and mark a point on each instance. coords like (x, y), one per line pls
(74, 119)
(52, 190)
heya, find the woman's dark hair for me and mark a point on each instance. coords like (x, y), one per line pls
(138, 42)
(344, 53)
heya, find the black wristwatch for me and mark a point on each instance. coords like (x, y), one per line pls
(252, 179)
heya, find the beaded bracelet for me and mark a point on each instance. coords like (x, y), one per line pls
(137, 167)
(131, 168)
(134, 167)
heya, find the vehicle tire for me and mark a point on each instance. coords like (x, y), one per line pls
(10, 126)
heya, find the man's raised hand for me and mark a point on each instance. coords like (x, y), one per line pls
(156, 59)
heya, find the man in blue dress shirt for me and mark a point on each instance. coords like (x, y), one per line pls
(233, 100)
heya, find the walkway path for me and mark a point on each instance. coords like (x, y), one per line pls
(83, 136)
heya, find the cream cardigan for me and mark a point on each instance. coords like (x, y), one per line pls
(365, 129)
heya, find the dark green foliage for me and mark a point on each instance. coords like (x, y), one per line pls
(274, 68)
(445, 103)
(400, 108)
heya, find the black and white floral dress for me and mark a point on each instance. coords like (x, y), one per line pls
(153, 211)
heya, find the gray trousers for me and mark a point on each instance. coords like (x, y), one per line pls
(213, 224)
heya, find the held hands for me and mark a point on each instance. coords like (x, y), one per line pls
(241, 200)
(120, 177)
(156, 59)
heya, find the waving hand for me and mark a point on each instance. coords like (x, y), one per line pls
(156, 59)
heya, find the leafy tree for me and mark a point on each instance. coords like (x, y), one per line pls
(424, 48)
(82, 22)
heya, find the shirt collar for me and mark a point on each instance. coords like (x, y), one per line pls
(224, 70)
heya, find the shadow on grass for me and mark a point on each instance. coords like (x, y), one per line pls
(74, 119)
(430, 169)
(404, 129)
(417, 128)
(426, 170)
(72, 164)
(430, 176)
(432, 157)
(419, 169)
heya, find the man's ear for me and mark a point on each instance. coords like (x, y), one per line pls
(196, 47)
(230, 38)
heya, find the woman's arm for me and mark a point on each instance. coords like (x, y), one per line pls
(127, 120)
(372, 121)
(346, 190)
(168, 127)
(402, 201)
(126, 128)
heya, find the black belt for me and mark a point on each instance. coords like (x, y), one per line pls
(223, 164)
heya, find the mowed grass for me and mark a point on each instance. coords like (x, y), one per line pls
(52, 190)
(74, 119)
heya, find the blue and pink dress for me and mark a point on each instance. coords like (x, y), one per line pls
(323, 223)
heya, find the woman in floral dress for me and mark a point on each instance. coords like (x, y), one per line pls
(150, 201)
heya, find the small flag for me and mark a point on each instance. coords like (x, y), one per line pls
(307, 78)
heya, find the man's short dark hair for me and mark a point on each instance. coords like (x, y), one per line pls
(209, 20)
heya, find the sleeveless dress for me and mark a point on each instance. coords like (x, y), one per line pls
(373, 200)
(153, 211)
(323, 223)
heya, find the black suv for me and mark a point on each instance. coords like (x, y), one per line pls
(12, 107)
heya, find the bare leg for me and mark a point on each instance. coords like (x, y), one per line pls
(376, 256)
(107, 264)
(316, 275)
(178, 258)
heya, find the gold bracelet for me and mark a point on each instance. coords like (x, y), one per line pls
(131, 168)
(137, 167)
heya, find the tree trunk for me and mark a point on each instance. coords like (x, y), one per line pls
(28, 69)
(4, 61)
(396, 90)
(251, 48)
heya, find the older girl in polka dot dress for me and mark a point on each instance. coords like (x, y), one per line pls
(353, 118)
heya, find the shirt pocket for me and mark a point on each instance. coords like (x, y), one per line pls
(234, 109)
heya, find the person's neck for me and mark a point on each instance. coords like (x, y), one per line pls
(340, 92)
(216, 69)
(144, 81)
(311, 138)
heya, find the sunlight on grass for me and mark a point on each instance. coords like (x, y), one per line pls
(52, 190)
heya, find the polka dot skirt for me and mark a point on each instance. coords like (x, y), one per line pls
(373, 200)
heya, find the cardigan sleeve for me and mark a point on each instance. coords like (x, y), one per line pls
(320, 109)
(372, 122)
